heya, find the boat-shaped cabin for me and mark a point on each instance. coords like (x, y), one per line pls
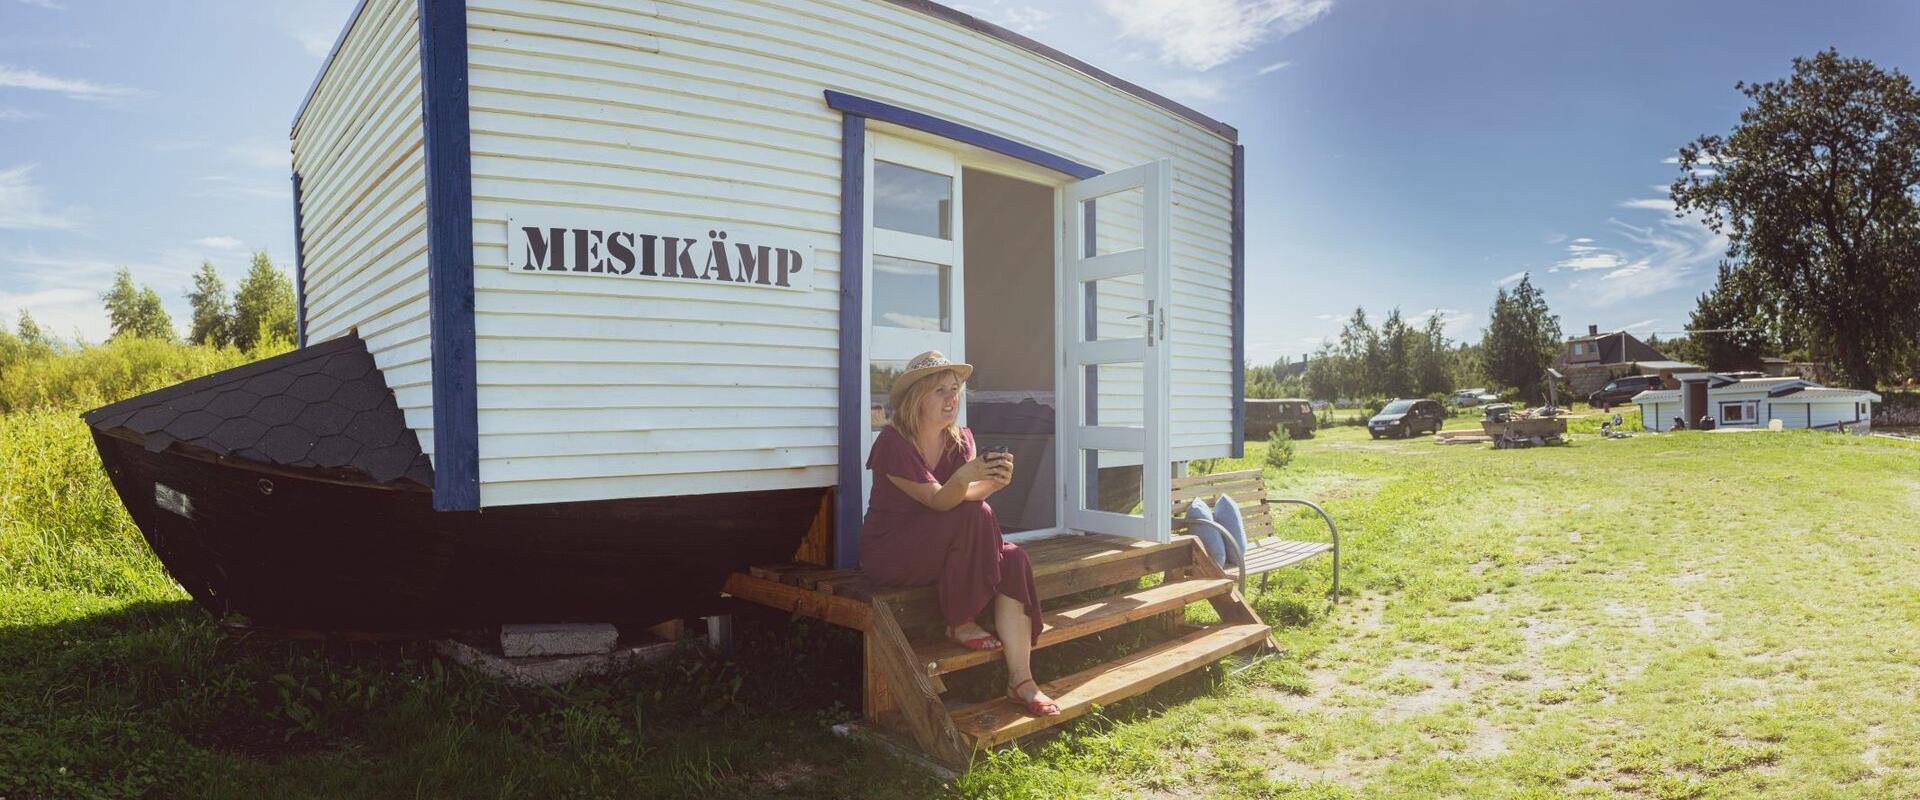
(628, 280)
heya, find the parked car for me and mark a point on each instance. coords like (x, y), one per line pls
(1621, 390)
(1291, 415)
(1402, 418)
(1472, 397)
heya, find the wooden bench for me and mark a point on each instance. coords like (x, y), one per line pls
(1265, 551)
(906, 652)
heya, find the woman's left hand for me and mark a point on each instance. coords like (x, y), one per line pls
(1000, 469)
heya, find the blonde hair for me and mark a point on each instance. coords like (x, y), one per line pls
(906, 413)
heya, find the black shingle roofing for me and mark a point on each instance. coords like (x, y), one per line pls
(325, 406)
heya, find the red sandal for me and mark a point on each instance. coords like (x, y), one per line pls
(983, 642)
(1038, 708)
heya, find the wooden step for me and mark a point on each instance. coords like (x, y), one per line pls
(999, 721)
(1062, 565)
(944, 656)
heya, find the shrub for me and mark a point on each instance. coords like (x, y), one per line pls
(1279, 450)
(100, 374)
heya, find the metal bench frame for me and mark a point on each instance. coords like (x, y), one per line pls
(1240, 557)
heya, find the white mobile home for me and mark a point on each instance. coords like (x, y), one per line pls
(1756, 403)
(632, 249)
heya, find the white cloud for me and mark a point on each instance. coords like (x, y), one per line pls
(1583, 240)
(265, 156)
(50, 5)
(19, 115)
(23, 203)
(219, 242)
(228, 187)
(1642, 325)
(1452, 320)
(1025, 19)
(1649, 203)
(317, 43)
(1191, 89)
(1510, 279)
(1203, 34)
(1274, 67)
(34, 80)
(1661, 257)
(1587, 261)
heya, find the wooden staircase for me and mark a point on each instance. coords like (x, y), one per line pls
(906, 653)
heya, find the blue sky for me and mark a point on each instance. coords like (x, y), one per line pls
(1411, 154)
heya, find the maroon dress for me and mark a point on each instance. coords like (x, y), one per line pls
(905, 543)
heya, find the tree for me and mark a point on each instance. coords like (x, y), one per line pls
(1736, 326)
(1360, 356)
(32, 335)
(263, 306)
(1432, 372)
(135, 312)
(1395, 376)
(1325, 374)
(1522, 339)
(212, 313)
(1815, 189)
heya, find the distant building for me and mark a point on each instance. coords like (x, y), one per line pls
(1590, 361)
(1756, 403)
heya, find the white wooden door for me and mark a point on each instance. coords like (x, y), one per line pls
(1115, 287)
(916, 267)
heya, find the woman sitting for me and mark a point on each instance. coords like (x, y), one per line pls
(928, 522)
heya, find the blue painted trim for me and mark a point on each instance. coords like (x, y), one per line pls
(449, 164)
(854, 381)
(1239, 301)
(328, 63)
(874, 109)
(299, 268)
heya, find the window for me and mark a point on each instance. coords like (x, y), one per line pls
(916, 295)
(912, 200)
(1740, 412)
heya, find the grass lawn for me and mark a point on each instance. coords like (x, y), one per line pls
(1692, 615)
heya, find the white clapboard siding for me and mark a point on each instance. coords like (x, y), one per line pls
(593, 388)
(358, 150)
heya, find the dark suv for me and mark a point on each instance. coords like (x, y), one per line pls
(1621, 390)
(1406, 418)
(1292, 415)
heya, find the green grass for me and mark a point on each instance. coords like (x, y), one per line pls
(1679, 616)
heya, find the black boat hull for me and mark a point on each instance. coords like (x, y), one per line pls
(304, 549)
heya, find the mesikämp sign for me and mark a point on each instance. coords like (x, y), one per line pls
(632, 246)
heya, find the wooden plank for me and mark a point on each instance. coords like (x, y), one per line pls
(912, 692)
(876, 703)
(792, 599)
(1191, 481)
(1072, 623)
(1240, 490)
(916, 607)
(1000, 720)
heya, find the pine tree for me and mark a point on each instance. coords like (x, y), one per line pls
(1395, 374)
(212, 312)
(1522, 339)
(263, 305)
(1431, 370)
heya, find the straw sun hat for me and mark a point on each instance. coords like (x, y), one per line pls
(921, 366)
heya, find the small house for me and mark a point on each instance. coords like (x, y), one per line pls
(1756, 403)
(1589, 361)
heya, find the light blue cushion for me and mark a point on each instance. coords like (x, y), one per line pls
(1227, 513)
(1208, 535)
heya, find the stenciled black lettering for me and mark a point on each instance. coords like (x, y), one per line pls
(717, 268)
(537, 248)
(789, 264)
(679, 258)
(755, 266)
(622, 254)
(646, 255)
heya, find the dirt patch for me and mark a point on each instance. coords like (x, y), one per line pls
(787, 775)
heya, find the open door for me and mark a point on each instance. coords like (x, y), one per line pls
(1115, 286)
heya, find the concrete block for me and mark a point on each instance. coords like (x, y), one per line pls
(552, 670)
(554, 639)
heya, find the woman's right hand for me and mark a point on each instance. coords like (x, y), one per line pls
(976, 470)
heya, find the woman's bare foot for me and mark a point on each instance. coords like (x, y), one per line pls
(1028, 693)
